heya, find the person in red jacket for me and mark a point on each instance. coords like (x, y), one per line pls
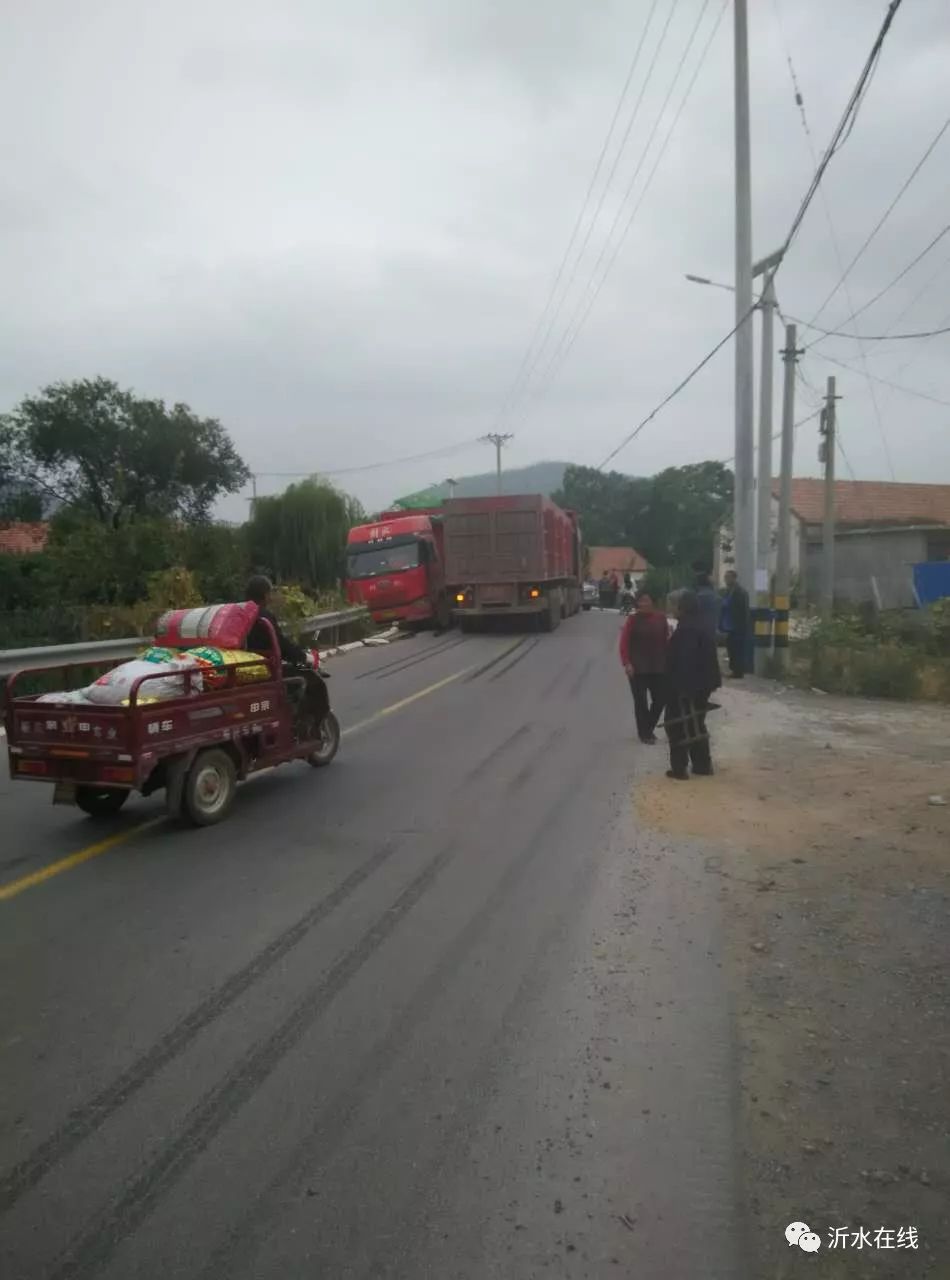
(643, 645)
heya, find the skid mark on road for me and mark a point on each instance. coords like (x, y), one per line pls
(404, 663)
(525, 649)
(85, 1120)
(540, 758)
(92, 1249)
(477, 672)
(575, 688)
(556, 681)
(495, 755)
(317, 1147)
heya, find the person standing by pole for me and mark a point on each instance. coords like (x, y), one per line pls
(643, 644)
(734, 623)
(693, 674)
(707, 600)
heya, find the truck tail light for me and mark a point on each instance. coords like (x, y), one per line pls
(117, 773)
(31, 766)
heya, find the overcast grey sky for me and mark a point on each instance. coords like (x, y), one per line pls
(334, 223)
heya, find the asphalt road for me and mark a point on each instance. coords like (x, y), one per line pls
(438, 1010)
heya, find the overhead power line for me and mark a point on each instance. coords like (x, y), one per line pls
(885, 382)
(875, 337)
(582, 311)
(523, 372)
(569, 336)
(900, 275)
(884, 216)
(442, 452)
(853, 103)
(924, 288)
(845, 124)
(777, 435)
(826, 205)
(675, 392)
(600, 204)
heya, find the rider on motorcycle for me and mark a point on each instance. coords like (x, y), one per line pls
(302, 662)
(259, 590)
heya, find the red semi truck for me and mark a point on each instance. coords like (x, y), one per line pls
(512, 555)
(396, 567)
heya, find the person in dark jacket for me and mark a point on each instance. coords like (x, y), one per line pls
(734, 623)
(708, 600)
(259, 590)
(692, 673)
(643, 645)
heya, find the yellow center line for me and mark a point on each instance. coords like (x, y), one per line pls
(16, 887)
(73, 860)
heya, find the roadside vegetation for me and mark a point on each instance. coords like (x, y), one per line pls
(128, 486)
(897, 654)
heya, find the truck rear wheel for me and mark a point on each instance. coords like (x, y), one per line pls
(100, 802)
(550, 620)
(443, 614)
(210, 788)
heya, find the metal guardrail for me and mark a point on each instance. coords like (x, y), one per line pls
(86, 651)
(91, 651)
(333, 621)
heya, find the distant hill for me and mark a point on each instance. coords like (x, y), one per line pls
(540, 477)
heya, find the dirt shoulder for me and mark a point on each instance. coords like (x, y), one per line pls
(835, 872)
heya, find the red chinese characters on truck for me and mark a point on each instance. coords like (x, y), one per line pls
(395, 567)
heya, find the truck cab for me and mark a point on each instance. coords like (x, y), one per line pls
(395, 567)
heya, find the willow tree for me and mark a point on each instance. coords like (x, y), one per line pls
(300, 535)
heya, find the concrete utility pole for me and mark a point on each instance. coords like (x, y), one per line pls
(826, 454)
(499, 442)
(744, 502)
(783, 567)
(452, 486)
(763, 521)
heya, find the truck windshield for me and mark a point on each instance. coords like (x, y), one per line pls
(373, 562)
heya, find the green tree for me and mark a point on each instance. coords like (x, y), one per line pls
(671, 518)
(96, 564)
(96, 447)
(607, 504)
(18, 499)
(217, 556)
(300, 535)
(685, 510)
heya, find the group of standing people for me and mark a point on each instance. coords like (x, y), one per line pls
(673, 671)
(727, 615)
(608, 588)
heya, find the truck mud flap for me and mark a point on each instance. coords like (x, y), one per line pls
(64, 793)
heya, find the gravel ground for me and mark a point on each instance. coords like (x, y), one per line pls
(823, 830)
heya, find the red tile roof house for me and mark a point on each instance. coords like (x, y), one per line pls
(882, 529)
(23, 538)
(619, 560)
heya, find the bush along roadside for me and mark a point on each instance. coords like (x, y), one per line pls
(902, 654)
